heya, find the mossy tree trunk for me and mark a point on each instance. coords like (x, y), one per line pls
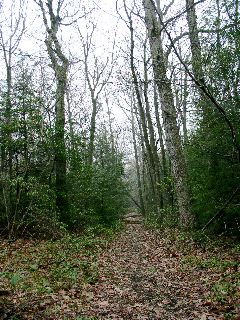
(60, 65)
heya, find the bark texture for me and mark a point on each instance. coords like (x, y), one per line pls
(195, 42)
(60, 65)
(173, 139)
(143, 122)
(139, 183)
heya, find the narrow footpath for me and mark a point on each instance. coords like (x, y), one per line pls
(142, 274)
(141, 278)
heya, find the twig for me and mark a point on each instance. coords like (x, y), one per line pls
(221, 211)
(136, 203)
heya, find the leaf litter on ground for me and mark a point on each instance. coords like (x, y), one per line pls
(140, 274)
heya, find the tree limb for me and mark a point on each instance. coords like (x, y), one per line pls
(201, 86)
(222, 210)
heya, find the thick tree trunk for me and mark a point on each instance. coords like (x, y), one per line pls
(157, 173)
(165, 168)
(169, 114)
(195, 42)
(60, 66)
(196, 50)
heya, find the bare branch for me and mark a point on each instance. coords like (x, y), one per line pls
(167, 7)
(201, 86)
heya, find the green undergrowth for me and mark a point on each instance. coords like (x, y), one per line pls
(48, 266)
(34, 268)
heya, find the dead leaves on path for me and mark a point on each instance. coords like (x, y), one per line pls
(142, 274)
(45, 279)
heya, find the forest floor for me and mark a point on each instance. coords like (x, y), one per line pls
(141, 274)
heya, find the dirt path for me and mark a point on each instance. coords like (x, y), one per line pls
(141, 279)
(142, 274)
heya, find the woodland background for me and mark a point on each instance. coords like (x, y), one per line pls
(110, 106)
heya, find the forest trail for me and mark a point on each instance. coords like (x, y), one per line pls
(140, 278)
(139, 274)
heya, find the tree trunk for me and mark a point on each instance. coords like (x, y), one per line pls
(166, 193)
(160, 133)
(148, 180)
(96, 83)
(60, 147)
(139, 184)
(195, 43)
(173, 139)
(92, 131)
(151, 162)
(157, 173)
(60, 66)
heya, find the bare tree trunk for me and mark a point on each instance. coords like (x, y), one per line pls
(173, 139)
(195, 45)
(139, 184)
(165, 168)
(157, 173)
(143, 121)
(96, 84)
(60, 66)
(160, 133)
(60, 147)
(150, 197)
(181, 104)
